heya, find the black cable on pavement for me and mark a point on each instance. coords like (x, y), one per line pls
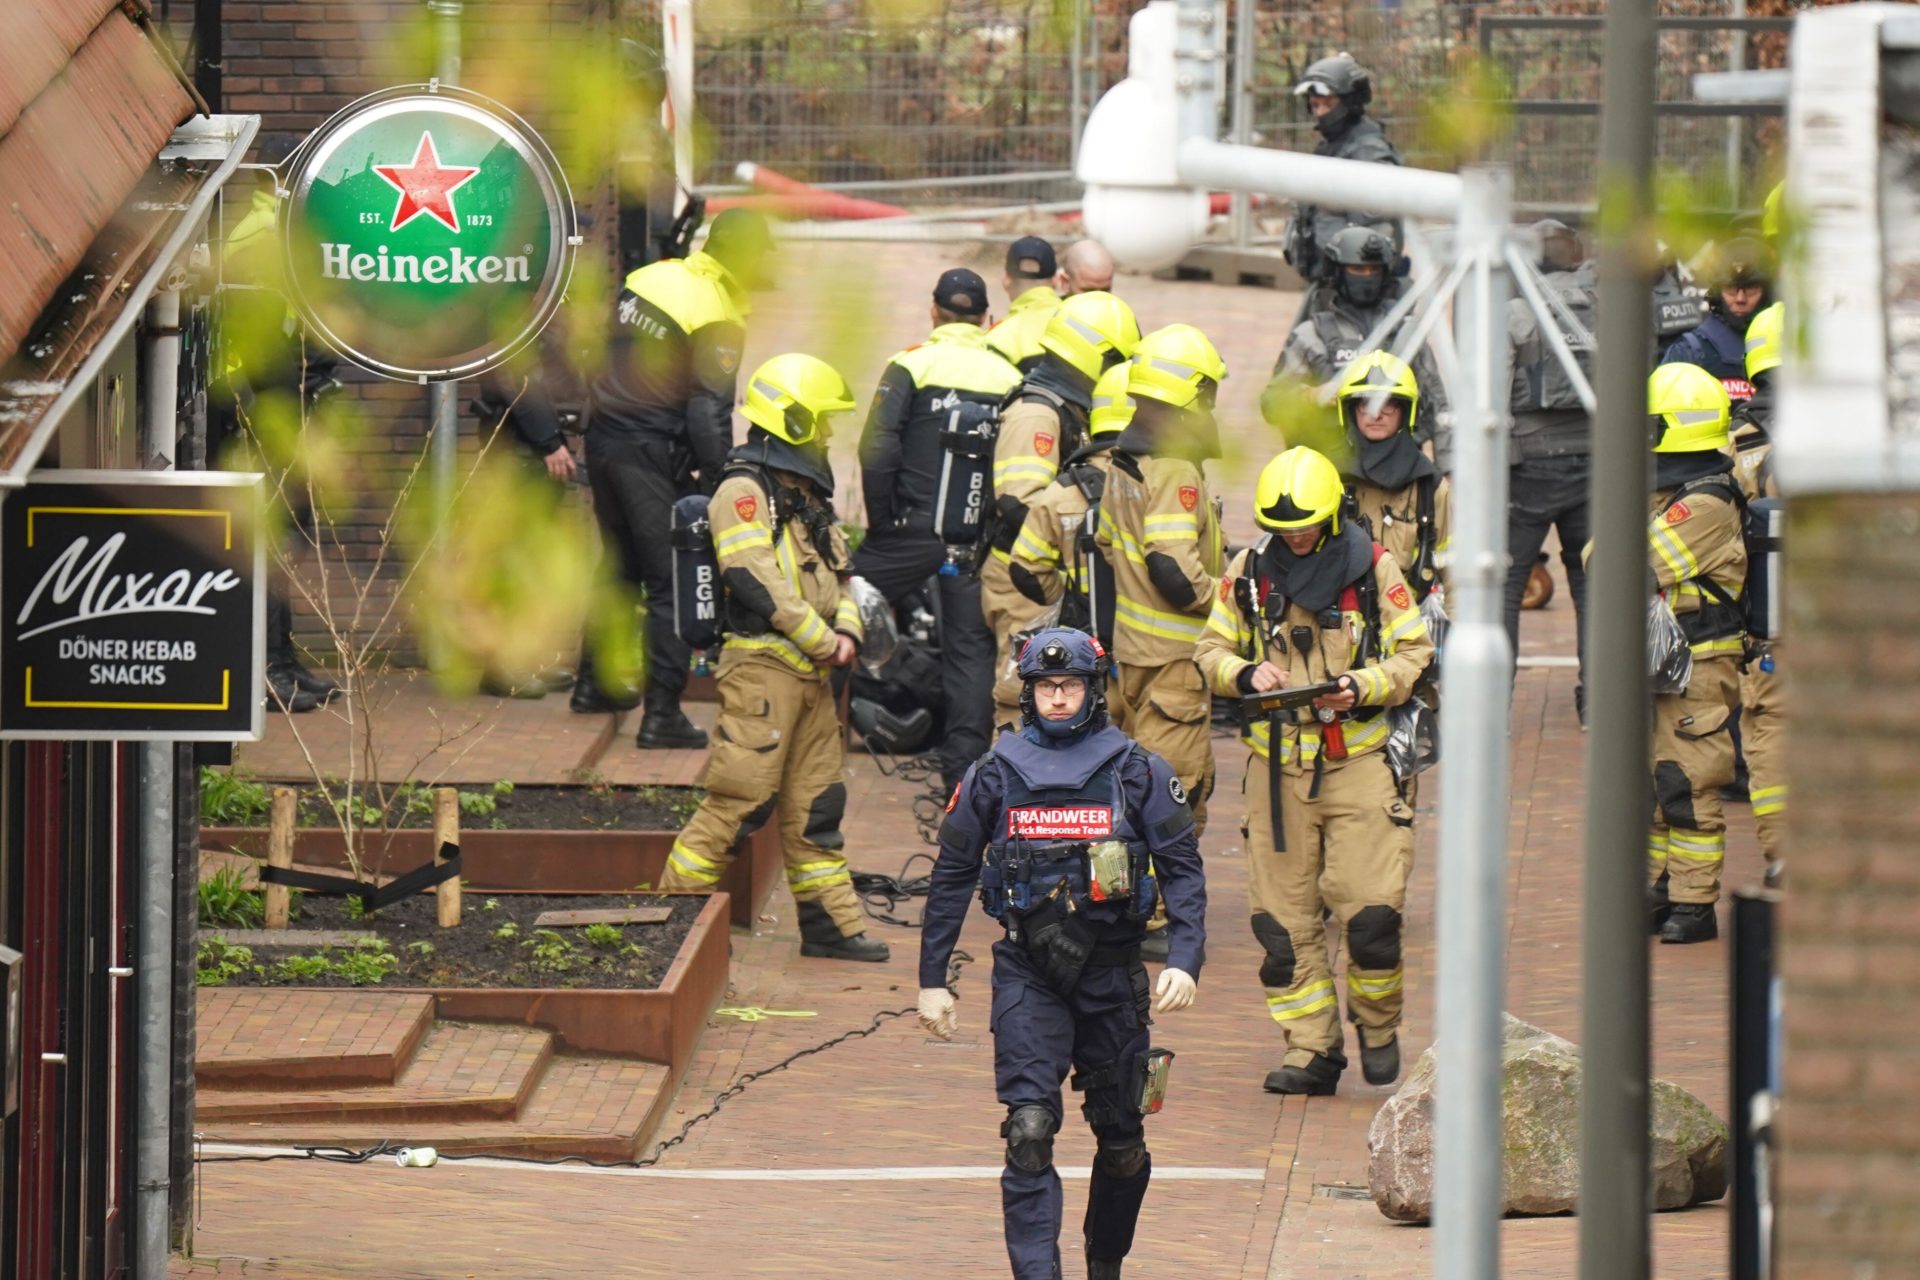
(387, 1146)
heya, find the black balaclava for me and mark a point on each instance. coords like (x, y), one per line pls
(1314, 581)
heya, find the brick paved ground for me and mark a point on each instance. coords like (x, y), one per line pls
(898, 1099)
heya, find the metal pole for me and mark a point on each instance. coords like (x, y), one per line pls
(1750, 959)
(1243, 15)
(153, 974)
(443, 398)
(1077, 105)
(676, 23)
(208, 59)
(1614, 1241)
(1736, 61)
(1471, 939)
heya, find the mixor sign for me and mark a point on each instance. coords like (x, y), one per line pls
(429, 233)
(132, 607)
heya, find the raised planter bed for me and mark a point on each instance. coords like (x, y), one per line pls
(535, 861)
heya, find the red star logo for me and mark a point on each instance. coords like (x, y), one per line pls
(425, 186)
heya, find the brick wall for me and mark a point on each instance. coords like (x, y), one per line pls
(294, 64)
(1850, 922)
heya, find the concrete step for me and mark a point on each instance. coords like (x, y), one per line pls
(280, 1038)
(458, 1073)
(596, 1108)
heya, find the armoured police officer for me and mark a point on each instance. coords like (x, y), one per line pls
(1032, 290)
(1552, 436)
(1043, 421)
(1081, 830)
(1331, 332)
(790, 616)
(1316, 603)
(1337, 90)
(660, 428)
(1739, 280)
(953, 379)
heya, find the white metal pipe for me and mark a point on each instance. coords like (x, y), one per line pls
(1321, 180)
(443, 398)
(1243, 14)
(163, 374)
(676, 26)
(1473, 784)
(1537, 298)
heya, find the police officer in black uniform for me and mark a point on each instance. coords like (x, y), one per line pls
(1082, 829)
(661, 427)
(954, 372)
(1337, 90)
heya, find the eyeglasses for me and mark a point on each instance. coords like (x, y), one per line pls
(1059, 688)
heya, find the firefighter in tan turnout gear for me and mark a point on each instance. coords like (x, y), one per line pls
(1054, 559)
(1160, 531)
(1762, 696)
(789, 616)
(1316, 602)
(1699, 560)
(1405, 501)
(1044, 421)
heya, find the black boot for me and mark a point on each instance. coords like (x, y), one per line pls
(665, 726)
(1380, 1064)
(1316, 1080)
(1690, 922)
(1658, 905)
(821, 937)
(1103, 1268)
(590, 699)
(284, 692)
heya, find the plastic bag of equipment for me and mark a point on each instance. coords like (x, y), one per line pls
(1413, 738)
(876, 624)
(1433, 612)
(1047, 619)
(1669, 657)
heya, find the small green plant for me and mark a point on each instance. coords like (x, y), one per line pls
(305, 968)
(491, 904)
(229, 798)
(218, 963)
(477, 804)
(226, 901)
(552, 950)
(503, 788)
(422, 948)
(601, 935)
(356, 907)
(370, 961)
(506, 932)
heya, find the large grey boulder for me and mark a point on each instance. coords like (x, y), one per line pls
(1540, 1089)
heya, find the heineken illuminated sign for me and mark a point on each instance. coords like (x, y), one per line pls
(429, 233)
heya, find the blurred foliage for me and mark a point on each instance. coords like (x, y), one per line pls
(1468, 117)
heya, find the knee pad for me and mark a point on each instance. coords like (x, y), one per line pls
(756, 817)
(824, 815)
(1373, 938)
(1029, 1133)
(1673, 792)
(1277, 969)
(1121, 1157)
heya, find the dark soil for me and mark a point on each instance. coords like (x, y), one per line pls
(495, 945)
(540, 808)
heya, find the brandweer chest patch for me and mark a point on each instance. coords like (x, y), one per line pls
(1060, 822)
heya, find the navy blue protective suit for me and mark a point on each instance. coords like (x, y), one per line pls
(1028, 798)
(1719, 347)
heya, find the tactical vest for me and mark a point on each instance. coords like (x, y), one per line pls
(1040, 848)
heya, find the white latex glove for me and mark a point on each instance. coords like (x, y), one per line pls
(1176, 990)
(940, 1014)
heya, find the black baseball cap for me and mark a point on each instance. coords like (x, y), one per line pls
(962, 292)
(1031, 258)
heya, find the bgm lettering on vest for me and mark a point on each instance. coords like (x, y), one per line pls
(1060, 822)
(341, 262)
